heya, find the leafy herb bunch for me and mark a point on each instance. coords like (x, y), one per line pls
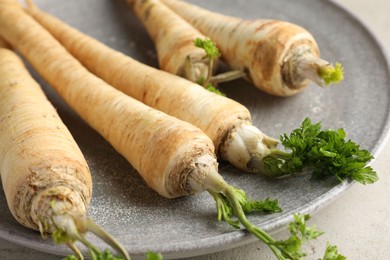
(324, 152)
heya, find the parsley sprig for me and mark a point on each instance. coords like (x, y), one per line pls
(324, 152)
(226, 210)
(209, 47)
(233, 205)
(212, 53)
(331, 253)
(300, 233)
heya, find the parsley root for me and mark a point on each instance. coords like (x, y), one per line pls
(174, 158)
(45, 177)
(225, 121)
(173, 38)
(278, 57)
(181, 49)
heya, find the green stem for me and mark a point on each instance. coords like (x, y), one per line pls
(209, 72)
(230, 200)
(259, 233)
(276, 153)
(71, 226)
(97, 230)
(73, 232)
(75, 250)
(227, 76)
(259, 164)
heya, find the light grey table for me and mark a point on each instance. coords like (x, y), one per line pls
(358, 222)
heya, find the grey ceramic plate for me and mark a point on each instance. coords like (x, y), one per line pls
(144, 221)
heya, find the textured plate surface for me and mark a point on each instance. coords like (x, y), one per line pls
(144, 221)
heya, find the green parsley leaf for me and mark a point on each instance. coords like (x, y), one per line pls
(213, 89)
(225, 210)
(300, 234)
(267, 206)
(209, 46)
(331, 253)
(153, 256)
(324, 152)
(60, 236)
(106, 255)
(332, 74)
(212, 52)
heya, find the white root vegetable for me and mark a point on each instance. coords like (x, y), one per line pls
(46, 179)
(175, 158)
(171, 32)
(219, 117)
(278, 57)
